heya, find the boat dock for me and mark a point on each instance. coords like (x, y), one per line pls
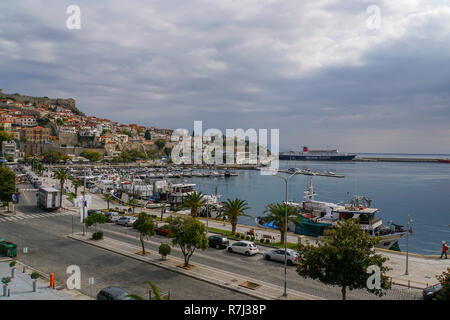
(379, 159)
(315, 173)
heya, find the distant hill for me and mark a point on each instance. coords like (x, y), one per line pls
(66, 103)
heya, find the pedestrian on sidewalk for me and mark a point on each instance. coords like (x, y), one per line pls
(444, 250)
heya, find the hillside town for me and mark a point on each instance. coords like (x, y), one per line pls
(34, 128)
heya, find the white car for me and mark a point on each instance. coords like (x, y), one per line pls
(126, 221)
(278, 255)
(245, 247)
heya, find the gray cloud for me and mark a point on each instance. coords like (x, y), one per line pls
(313, 70)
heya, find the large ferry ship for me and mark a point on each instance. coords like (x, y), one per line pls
(323, 155)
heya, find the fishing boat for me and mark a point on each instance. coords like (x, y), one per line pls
(315, 217)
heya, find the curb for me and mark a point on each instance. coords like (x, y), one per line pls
(170, 268)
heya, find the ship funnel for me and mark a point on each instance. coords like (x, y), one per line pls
(305, 149)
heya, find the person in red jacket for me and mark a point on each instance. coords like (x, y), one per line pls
(444, 250)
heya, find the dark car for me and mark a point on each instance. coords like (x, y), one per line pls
(163, 230)
(92, 211)
(218, 242)
(113, 293)
(430, 293)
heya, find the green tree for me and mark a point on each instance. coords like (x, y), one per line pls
(194, 201)
(147, 135)
(277, 214)
(92, 156)
(189, 234)
(160, 143)
(52, 156)
(94, 219)
(4, 136)
(444, 279)
(342, 258)
(145, 226)
(62, 175)
(233, 209)
(7, 184)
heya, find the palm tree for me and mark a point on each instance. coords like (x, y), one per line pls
(108, 198)
(62, 175)
(233, 209)
(76, 184)
(133, 202)
(156, 292)
(277, 214)
(194, 201)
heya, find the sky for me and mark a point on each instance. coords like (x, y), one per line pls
(360, 76)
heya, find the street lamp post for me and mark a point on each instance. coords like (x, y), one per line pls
(84, 199)
(286, 180)
(407, 242)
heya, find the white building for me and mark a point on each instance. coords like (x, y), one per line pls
(26, 121)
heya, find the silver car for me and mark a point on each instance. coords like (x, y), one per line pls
(278, 255)
(126, 221)
(245, 247)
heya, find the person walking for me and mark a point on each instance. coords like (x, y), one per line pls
(444, 250)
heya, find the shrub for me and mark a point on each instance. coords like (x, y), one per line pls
(12, 264)
(252, 238)
(237, 235)
(261, 240)
(247, 238)
(97, 235)
(6, 280)
(267, 241)
(35, 275)
(164, 249)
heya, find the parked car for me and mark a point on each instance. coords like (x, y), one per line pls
(278, 255)
(92, 211)
(218, 242)
(245, 247)
(163, 230)
(126, 221)
(112, 216)
(113, 293)
(430, 292)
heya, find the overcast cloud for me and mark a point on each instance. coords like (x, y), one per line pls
(310, 68)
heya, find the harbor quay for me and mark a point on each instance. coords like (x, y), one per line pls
(422, 269)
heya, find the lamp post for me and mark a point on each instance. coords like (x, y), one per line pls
(407, 242)
(84, 200)
(286, 180)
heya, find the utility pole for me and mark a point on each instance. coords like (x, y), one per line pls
(286, 180)
(407, 242)
(84, 199)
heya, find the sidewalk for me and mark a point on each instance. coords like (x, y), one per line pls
(21, 287)
(422, 269)
(261, 290)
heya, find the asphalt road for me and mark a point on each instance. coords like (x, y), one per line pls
(51, 251)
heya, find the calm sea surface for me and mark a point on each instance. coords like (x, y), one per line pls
(397, 189)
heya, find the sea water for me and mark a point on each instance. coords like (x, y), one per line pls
(398, 189)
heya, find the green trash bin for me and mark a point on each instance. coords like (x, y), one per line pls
(8, 249)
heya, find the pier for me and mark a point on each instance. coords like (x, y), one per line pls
(378, 159)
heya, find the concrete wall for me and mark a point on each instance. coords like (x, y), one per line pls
(40, 148)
